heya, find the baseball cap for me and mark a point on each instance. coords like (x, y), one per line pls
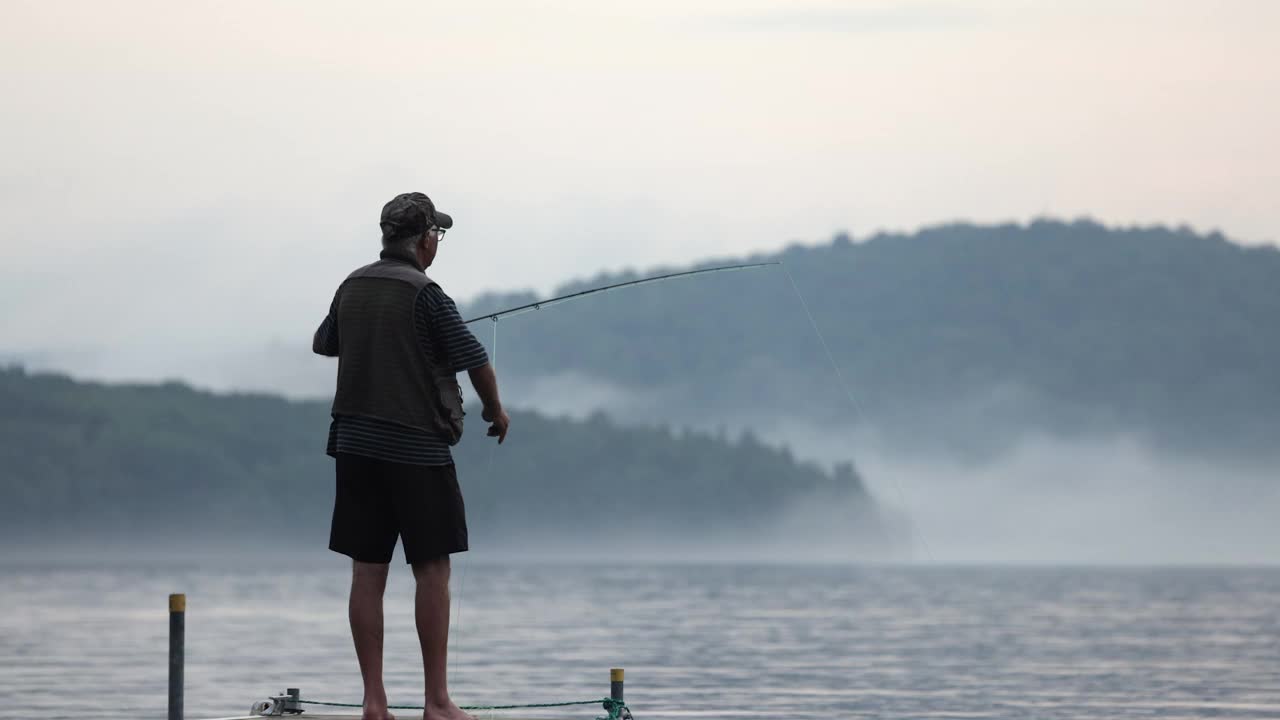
(411, 213)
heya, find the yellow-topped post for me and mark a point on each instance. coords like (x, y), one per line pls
(615, 684)
(177, 647)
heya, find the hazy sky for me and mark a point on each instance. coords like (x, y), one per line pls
(180, 180)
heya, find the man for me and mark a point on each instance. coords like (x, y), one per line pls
(400, 343)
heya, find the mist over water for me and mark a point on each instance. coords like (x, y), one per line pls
(1050, 501)
(1026, 497)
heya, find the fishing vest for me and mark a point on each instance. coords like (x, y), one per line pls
(382, 371)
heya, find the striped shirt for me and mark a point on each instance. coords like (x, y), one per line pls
(448, 342)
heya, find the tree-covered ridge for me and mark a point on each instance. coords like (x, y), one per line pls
(125, 461)
(1068, 326)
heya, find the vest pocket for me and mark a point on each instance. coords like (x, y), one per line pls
(449, 411)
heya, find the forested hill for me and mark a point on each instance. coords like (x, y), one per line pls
(958, 329)
(92, 462)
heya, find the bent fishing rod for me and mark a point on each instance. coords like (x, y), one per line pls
(530, 307)
(538, 305)
(839, 375)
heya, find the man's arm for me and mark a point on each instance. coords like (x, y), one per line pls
(325, 341)
(485, 381)
(451, 338)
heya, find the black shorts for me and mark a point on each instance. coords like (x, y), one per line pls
(378, 501)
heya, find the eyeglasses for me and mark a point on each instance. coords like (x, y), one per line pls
(439, 232)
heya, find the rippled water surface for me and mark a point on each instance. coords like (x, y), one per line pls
(697, 641)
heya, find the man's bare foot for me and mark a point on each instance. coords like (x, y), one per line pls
(373, 713)
(448, 711)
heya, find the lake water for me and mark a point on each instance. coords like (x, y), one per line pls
(718, 641)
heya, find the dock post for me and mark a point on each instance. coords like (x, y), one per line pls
(177, 650)
(615, 684)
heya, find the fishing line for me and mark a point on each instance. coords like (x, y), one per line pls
(488, 473)
(852, 402)
(825, 347)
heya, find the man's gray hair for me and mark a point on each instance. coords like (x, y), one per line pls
(404, 243)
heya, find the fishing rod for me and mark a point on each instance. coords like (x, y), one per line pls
(826, 348)
(530, 307)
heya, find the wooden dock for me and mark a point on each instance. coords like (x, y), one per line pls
(291, 704)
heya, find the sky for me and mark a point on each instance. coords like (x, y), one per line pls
(183, 185)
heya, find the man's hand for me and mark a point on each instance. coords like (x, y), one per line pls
(486, 385)
(500, 423)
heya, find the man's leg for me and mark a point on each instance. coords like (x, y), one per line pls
(431, 610)
(368, 581)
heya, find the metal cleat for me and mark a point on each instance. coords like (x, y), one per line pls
(287, 704)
